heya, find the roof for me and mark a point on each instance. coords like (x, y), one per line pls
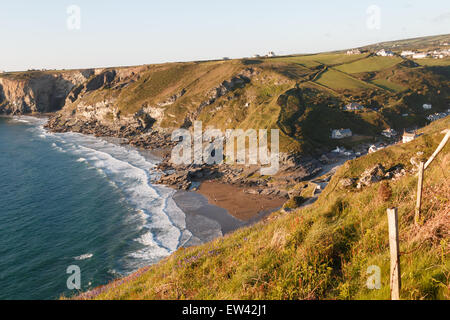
(409, 134)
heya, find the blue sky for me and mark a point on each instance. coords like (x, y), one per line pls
(34, 34)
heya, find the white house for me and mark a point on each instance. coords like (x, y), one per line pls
(353, 106)
(271, 54)
(427, 106)
(408, 137)
(407, 53)
(385, 53)
(421, 55)
(341, 133)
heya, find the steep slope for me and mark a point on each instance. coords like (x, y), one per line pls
(323, 251)
(38, 92)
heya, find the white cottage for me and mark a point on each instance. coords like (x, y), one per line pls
(408, 137)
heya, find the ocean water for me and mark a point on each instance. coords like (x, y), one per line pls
(70, 199)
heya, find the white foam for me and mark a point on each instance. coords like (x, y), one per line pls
(163, 223)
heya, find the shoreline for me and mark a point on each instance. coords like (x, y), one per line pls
(211, 202)
(208, 205)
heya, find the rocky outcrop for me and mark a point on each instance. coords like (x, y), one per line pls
(238, 81)
(38, 92)
(375, 174)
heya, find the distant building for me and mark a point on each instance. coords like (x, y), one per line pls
(341, 133)
(421, 55)
(408, 137)
(225, 58)
(339, 150)
(271, 54)
(353, 51)
(353, 106)
(427, 106)
(373, 148)
(385, 53)
(407, 53)
(389, 133)
(256, 56)
(437, 116)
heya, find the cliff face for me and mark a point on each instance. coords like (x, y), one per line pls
(38, 91)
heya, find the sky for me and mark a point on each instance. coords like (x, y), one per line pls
(61, 34)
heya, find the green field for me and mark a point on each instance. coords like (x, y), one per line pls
(433, 62)
(339, 58)
(337, 80)
(330, 59)
(389, 85)
(370, 64)
(306, 61)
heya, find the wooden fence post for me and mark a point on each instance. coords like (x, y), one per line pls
(395, 275)
(439, 148)
(419, 194)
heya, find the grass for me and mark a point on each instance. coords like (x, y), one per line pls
(433, 62)
(339, 81)
(322, 251)
(370, 64)
(389, 85)
(312, 61)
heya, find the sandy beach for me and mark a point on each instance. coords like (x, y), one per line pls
(239, 204)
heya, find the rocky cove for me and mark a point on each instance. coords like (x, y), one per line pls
(89, 102)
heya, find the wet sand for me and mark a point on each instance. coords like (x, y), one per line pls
(239, 204)
(217, 209)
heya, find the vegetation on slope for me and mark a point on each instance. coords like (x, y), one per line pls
(321, 251)
(302, 95)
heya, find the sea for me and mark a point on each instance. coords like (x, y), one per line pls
(68, 199)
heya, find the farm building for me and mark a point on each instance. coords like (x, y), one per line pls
(427, 106)
(341, 133)
(354, 51)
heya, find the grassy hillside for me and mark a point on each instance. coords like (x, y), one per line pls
(321, 251)
(302, 95)
(322, 83)
(370, 64)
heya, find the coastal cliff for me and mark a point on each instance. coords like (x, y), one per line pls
(304, 97)
(38, 92)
